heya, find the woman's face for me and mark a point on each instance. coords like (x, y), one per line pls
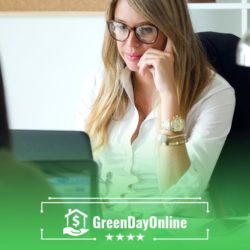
(132, 49)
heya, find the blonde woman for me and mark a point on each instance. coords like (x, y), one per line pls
(157, 115)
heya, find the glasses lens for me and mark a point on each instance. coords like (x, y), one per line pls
(118, 31)
(147, 33)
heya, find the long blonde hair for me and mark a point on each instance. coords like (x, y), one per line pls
(191, 67)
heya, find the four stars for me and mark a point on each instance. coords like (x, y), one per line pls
(120, 237)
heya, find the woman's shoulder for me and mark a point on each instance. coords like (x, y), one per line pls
(217, 86)
(88, 95)
(220, 81)
(217, 93)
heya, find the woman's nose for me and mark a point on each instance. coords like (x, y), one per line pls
(132, 40)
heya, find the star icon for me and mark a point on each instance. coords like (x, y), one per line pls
(119, 237)
(130, 237)
(140, 237)
(109, 237)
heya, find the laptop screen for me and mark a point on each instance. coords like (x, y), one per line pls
(71, 178)
(47, 145)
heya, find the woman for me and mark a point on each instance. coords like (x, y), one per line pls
(158, 115)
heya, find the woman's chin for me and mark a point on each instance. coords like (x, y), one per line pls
(132, 67)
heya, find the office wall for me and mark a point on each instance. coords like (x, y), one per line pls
(46, 59)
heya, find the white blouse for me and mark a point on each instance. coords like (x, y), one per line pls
(131, 170)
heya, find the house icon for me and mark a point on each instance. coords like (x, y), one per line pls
(76, 223)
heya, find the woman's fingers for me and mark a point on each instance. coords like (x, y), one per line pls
(169, 46)
(151, 60)
(157, 60)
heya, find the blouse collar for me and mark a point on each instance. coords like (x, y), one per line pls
(126, 82)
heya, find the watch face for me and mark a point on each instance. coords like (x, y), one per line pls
(177, 124)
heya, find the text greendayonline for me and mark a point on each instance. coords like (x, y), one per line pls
(132, 223)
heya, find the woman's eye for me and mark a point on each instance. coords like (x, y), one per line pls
(120, 26)
(146, 30)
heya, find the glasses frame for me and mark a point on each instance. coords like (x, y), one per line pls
(109, 22)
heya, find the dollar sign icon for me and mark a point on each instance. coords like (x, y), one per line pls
(76, 221)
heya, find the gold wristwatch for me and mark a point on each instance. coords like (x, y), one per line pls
(175, 124)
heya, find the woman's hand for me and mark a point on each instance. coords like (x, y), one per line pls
(161, 65)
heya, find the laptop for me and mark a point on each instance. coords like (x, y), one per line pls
(64, 156)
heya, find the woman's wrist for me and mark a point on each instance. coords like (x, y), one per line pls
(169, 106)
(167, 93)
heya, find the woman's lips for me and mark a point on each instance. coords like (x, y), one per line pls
(133, 57)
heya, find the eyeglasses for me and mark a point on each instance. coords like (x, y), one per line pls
(145, 33)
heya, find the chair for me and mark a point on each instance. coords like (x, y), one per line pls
(230, 182)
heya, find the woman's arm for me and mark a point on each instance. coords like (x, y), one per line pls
(186, 169)
(174, 160)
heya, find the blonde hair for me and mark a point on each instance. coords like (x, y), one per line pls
(191, 68)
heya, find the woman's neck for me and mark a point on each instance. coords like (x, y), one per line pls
(144, 90)
(143, 85)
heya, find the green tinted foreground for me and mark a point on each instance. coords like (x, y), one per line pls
(32, 221)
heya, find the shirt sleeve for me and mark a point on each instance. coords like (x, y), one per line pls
(210, 122)
(88, 95)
